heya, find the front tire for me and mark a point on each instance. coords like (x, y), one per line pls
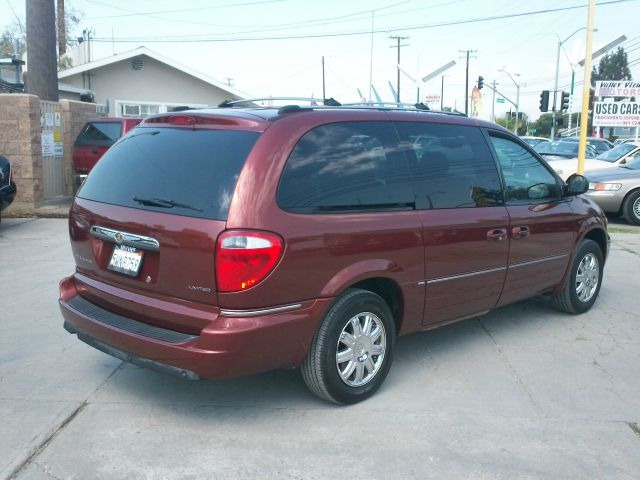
(583, 283)
(351, 352)
(631, 208)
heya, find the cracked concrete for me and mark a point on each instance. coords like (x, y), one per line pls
(523, 392)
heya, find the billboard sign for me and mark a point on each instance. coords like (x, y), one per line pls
(616, 114)
(617, 88)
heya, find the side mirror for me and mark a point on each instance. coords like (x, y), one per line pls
(577, 184)
(623, 161)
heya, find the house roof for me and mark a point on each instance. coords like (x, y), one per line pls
(65, 87)
(103, 62)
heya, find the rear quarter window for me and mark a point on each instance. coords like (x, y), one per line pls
(171, 170)
(346, 167)
(102, 134)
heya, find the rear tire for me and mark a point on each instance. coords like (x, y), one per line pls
(351, 352)
(631, 208)
(583, 282)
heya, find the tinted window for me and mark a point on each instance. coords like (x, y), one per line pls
(196, 169)
(526, 179)
(100, 133)
(451, 166)
(616, 153)
(347, 166)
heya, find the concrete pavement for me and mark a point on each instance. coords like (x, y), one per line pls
(523, 392)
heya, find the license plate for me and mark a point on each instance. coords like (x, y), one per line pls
(126, 260)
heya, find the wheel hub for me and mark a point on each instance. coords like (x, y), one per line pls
(361, 349)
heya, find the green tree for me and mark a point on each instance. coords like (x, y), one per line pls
(543, 125)
(613, 66)
(509, 122)
(7, 40)
(13, 32)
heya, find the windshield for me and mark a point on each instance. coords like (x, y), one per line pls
(616, 153)
(557, 148)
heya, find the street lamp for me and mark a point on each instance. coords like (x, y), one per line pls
(555, 88)
(515, 129)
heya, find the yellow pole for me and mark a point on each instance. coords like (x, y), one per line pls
(582, 149)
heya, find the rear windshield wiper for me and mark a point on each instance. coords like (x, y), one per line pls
(163, 203)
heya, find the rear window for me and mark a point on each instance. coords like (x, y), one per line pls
(179, 171)
(100, 133)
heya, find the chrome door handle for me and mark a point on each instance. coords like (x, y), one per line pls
(520, 232)
(497, 234)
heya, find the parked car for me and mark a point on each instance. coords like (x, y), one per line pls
(561, 149)
(601, 145)
(7, 186)
(617, 190)
(232, 241)
(533, 141)
(619, 154)
(95, 138)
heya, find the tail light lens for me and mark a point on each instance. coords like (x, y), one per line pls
(244, 258)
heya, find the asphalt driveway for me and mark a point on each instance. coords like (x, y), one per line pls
(523, 392)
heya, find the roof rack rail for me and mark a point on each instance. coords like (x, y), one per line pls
(400, 105)
(329, 102)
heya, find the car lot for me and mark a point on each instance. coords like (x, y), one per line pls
(523, 392)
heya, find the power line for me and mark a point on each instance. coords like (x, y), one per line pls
(133, 13)
(362, 32)
(318, 22)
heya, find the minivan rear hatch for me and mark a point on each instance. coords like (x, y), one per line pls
(144, 224)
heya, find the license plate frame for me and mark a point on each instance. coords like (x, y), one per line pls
(126, 260)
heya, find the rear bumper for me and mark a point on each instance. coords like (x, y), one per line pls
(230, 346)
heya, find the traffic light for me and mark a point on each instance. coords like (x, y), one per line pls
(544, 101)
(592, 94)
(564, 102)
(480, 82)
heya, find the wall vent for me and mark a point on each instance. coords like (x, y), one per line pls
(137, 63)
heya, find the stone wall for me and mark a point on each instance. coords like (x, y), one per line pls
(20, 143)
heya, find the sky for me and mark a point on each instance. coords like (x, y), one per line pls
(275, 47)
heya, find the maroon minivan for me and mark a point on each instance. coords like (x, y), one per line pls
(224, 242)
(95, 138)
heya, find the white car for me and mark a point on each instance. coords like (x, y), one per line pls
(618, 155)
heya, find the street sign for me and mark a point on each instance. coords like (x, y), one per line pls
(499, 100)
(532, 130)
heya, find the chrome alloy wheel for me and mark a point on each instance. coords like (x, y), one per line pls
(361, 349)
(587, 277)
(636, 208)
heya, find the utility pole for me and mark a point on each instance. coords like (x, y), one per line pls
(466, 83)
(62, 36)
(493, 103)
(323, 93)
(398, 39)
(42, 79)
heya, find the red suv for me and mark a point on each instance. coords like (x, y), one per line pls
(225, 242)
(95, 138)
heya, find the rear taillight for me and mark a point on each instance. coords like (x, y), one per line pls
(244, 258)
